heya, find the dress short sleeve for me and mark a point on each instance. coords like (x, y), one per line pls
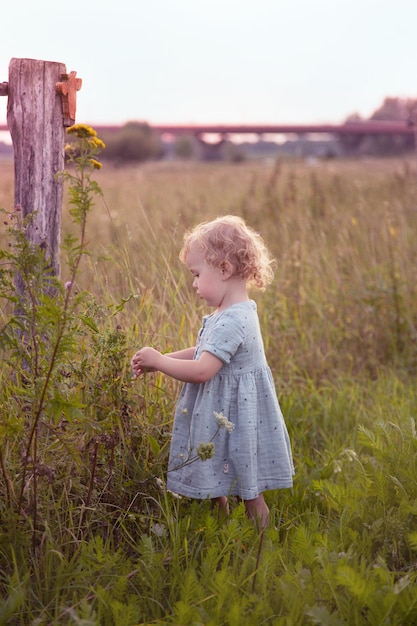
(226, 334)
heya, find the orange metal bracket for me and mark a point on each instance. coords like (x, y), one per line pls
(68, 88)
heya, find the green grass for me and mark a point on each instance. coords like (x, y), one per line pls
(89, 534)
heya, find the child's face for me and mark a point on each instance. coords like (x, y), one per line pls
(208, 281)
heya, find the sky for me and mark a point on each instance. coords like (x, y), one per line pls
(219, 61)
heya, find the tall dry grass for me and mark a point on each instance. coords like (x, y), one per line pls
(343, 232)
(344, 297)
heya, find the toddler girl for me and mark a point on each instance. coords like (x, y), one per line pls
(229, 397)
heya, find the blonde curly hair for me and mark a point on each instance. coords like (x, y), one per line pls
(229, 238)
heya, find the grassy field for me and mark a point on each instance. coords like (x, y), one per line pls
(89, 534)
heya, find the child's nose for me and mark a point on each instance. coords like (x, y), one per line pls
(195, 282)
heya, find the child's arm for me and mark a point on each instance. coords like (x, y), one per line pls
(188, 353)
(186, 370)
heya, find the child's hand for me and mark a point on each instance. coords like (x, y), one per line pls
(144, 361)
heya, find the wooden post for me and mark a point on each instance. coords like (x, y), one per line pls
(37, 113)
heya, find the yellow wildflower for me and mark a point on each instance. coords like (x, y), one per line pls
(82, 131)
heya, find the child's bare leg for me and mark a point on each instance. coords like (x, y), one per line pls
(258, 511)
(221, 503)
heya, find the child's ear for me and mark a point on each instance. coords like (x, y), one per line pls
(227, 269)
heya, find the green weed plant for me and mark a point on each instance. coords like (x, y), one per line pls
(89, 534)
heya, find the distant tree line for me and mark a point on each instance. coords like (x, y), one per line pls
(391, 110)
(137, 141)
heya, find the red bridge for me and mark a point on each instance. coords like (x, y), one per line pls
(349, 135)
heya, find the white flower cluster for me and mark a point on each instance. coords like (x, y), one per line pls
(223, 422)
(158, 529)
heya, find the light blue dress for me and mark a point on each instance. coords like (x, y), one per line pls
(256, 454)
